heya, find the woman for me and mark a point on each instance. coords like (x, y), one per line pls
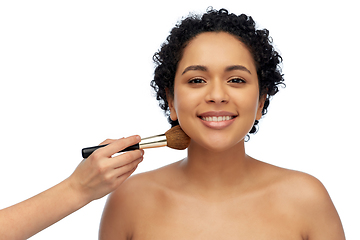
(215, 76)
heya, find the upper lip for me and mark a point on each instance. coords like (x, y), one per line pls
(217, 114)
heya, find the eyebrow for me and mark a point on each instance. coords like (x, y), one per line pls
(205, 69)
(237, 67)
(195, 68)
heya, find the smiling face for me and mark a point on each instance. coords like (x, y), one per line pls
(216, 91)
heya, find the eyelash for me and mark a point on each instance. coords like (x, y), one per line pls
(196, 81)
(199, 80)
(238, 80)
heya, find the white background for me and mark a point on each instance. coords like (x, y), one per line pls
(74, 73)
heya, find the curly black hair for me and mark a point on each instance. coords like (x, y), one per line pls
(267, 60)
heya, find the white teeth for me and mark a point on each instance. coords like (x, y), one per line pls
(217, 119)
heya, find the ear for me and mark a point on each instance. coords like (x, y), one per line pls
(170, 100)
(260, 107)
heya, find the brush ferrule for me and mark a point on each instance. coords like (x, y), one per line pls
(154, 141)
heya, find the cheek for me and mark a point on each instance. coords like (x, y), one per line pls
(247, 102)
(183, 102)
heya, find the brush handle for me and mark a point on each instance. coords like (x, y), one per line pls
(86, 152)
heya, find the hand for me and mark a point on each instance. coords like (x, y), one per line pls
(101, 173)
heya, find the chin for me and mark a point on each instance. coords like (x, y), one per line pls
(216, 140)
(218, 146)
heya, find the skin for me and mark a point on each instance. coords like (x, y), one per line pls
(218, 191)
(94, 178)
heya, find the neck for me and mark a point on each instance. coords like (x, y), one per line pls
(215, 170)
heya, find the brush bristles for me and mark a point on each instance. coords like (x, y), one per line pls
(177, 138)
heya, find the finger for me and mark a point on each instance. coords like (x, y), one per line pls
(122, 173)
(128, 167)
(108, 141)
(121, 178)
(88, 151)
(130, 161)
(119, 145)
(126, 158)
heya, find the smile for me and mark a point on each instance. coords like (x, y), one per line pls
(217, 118)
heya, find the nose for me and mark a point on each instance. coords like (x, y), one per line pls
(217, 93)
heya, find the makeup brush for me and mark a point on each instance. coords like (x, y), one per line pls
(174, 138)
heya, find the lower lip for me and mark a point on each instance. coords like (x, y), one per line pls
(218, 125)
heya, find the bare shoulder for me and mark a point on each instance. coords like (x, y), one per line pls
(133, 200)
(305, 196)
(298, 184)
(321, 220)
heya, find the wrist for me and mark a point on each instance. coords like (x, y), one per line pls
(75, 192)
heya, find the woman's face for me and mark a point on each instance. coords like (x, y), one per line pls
(216, 91)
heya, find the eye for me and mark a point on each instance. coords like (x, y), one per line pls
(197, 81)
(236, 80)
